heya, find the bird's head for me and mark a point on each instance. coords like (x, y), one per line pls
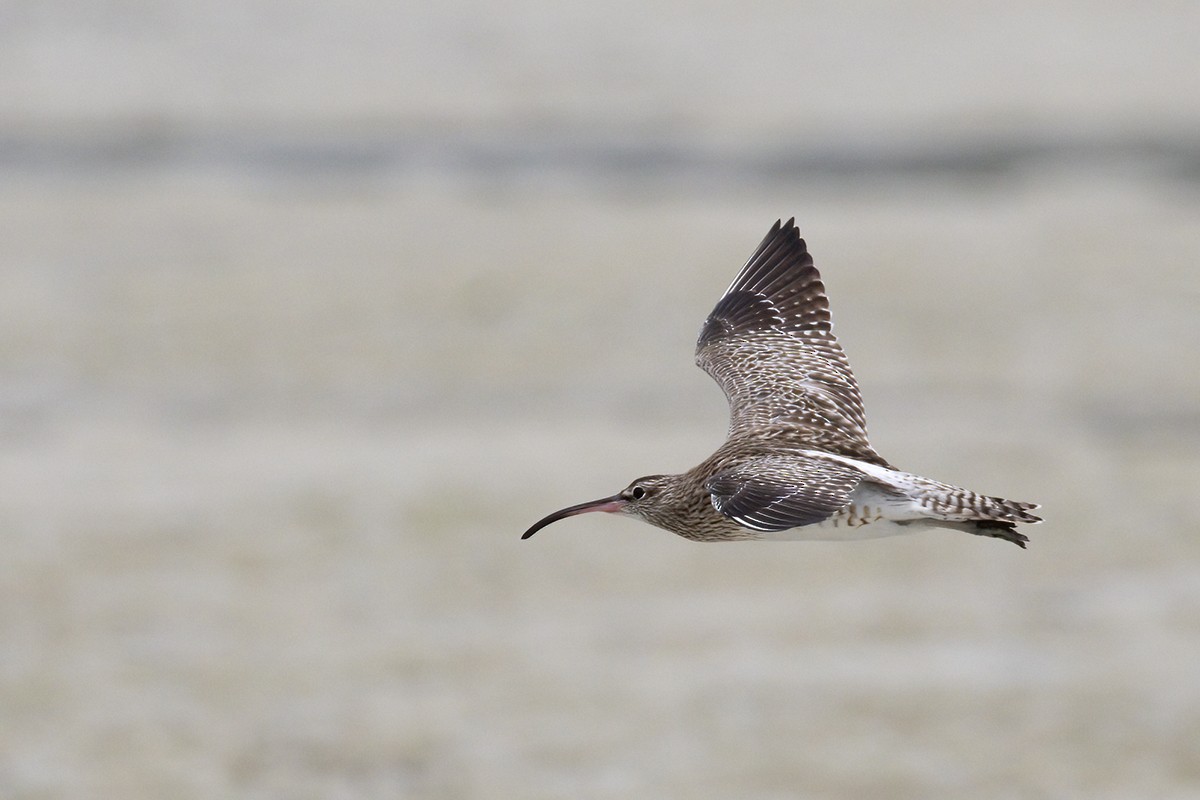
(645, 498)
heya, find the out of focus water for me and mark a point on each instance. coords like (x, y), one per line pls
(304, 317)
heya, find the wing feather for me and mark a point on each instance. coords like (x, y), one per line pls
(775, 493)
(769, 345)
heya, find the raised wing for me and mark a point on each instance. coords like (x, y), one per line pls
(775, 493)
(769, 344)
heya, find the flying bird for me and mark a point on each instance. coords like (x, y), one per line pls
(797, 463)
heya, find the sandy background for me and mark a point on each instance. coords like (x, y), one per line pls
(307, 312)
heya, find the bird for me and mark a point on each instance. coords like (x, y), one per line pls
(796, 463)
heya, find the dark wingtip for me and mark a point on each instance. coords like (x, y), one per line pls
(777, 289)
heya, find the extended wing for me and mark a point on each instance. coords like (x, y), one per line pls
(769, 344)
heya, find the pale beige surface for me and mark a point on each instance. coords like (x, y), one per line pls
(269, 433)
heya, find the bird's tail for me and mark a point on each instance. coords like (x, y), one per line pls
(979, 514)
(918, 498)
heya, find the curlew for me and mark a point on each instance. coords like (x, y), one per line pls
(796, 463)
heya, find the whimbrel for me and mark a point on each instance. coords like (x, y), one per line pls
(796, 463)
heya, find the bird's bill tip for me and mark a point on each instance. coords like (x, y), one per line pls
(607, 504)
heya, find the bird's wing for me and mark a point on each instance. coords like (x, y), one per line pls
(775, 493)
(769, 343)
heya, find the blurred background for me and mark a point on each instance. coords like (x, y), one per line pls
(307, 311)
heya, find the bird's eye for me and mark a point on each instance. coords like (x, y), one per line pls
(637, 493)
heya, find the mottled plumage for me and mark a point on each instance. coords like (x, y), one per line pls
(797, 463)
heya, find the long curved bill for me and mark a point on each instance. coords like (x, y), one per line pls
(614, 503)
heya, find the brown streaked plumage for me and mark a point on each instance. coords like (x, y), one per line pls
(797, 463)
